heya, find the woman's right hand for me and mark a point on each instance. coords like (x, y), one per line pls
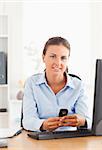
(51, 124)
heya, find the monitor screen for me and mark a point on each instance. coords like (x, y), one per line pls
(97, 107)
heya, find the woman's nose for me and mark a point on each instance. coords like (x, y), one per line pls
(58, 61)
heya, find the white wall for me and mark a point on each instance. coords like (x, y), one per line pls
(96, 37)
(69, 20)
(97, 29)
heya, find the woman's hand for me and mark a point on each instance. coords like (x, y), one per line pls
(51, 124)
(74, 120)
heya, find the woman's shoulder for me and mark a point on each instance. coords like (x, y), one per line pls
(35, 77)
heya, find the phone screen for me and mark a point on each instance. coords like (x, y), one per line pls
(63, 112)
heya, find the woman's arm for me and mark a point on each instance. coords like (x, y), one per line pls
(31, 120)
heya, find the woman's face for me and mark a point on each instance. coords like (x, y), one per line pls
(56, 59)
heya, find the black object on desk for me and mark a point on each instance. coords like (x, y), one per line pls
(59, 134)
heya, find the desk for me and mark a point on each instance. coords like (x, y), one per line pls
(23, 142)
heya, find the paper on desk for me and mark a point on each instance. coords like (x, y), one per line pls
(9, 132)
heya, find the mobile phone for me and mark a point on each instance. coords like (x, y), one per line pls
(63, 112)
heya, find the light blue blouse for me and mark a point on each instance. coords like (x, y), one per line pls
(40, 102)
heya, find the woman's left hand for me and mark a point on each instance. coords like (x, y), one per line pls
(74, 120)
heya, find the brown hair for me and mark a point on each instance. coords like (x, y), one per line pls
(56, 41)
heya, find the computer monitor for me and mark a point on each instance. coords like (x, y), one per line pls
(97, 108)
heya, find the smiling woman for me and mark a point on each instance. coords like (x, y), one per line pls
(55, 57)
(47, 93)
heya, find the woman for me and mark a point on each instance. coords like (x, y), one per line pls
(54, 89)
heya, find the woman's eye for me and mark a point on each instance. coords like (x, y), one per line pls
(64, 58)
(52, 56)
